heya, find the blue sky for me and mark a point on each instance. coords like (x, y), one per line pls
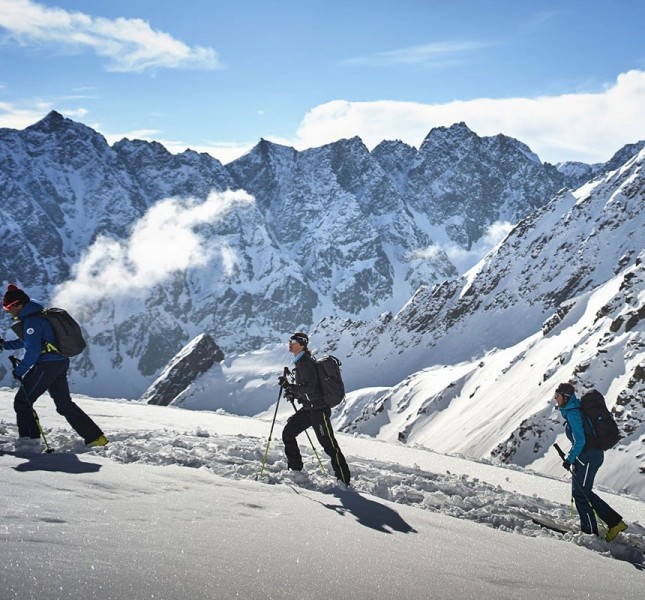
(567, 78)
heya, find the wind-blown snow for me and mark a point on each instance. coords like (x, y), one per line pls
(172, 509)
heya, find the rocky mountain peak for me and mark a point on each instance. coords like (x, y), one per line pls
(52, 122)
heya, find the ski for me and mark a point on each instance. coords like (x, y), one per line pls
(559, 526)
(552, 525)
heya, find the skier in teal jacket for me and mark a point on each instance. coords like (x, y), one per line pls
(583, 462)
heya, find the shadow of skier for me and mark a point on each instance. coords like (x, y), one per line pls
(370, 513)
(64, 463)
(367, 512)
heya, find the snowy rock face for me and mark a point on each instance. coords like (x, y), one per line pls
(577, 173)
(470, 365)
(568, 247)
(469, 183)
(193, 360)
(334, 231)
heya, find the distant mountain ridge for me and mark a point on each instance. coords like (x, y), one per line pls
(335, 230)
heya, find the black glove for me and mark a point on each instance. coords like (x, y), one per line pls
(284, 383)
(566, 465)
(1, 344)
(15, 376)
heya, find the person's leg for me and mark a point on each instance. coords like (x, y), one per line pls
(65, 406)
(296, 424)
(585, 472)
(33, 385)
(588, 523)
(321, 422)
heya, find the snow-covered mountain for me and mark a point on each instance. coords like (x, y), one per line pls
(577, 173)
(150, 250)
(469, 366)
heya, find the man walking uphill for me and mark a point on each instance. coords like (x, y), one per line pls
(43, 369)
(314, 412)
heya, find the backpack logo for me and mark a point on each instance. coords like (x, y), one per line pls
(600, 427)
(331, 380)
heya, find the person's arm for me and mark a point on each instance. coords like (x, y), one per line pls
(16, 344)
(33, 345)
(578, 433)
(308, 379)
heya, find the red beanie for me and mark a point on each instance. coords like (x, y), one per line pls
(14, 294)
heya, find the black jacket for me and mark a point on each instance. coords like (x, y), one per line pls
(306, 388)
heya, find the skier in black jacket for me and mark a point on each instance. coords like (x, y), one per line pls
(314, 412)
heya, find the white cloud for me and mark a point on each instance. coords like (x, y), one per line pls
(128, 44)
(428, 253)
(588, 127)
(163, 242)
(464, 259)
(13, 116)
(19, 117)
(428, 55)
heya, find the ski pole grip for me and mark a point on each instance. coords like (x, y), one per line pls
(562, 454)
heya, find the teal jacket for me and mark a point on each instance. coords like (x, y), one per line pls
(574, 427)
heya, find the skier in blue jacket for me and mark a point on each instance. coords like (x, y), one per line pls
(583, 462)
(42, 369)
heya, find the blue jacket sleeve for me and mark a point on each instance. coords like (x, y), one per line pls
(16, 344)
(33, 345)
(577, 432)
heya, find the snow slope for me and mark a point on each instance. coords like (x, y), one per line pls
(171, 509)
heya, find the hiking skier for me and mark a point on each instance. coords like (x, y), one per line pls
(313, 413)
(42, 369)
(583, 462)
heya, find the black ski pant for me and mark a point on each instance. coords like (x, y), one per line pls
(51, 376)
(319, 419)
(587, 502)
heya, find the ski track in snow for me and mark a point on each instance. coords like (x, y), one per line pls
(453, 494)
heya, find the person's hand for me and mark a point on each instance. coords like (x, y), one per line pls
(283, 382)
(1, 344)
(15, 375)
(566, 465)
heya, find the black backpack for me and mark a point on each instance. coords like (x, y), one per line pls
(69, 337)
(600, 427)
(331, 381)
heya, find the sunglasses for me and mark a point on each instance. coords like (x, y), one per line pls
(9, 306)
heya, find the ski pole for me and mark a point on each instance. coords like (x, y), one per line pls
(266, 452)
(14, 363)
